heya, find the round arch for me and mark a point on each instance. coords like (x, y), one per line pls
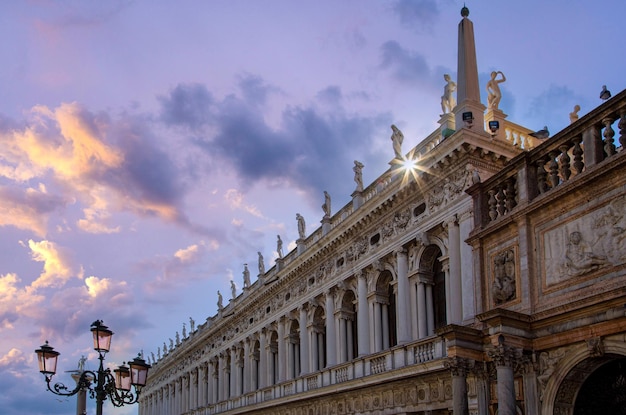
(572, 371)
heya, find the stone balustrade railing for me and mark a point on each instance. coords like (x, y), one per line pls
(419, 352)
(584, 146)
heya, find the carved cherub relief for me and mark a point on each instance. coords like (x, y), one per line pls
(503, 288)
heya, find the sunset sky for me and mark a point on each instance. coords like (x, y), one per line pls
(148, 149)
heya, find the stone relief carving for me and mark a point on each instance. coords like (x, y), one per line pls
(503, 287)
(591, 242)
(547, 364)
(448, 191)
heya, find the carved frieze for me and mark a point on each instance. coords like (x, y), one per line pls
(590, 242)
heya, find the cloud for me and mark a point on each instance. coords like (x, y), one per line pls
(104, 165)
(419, 15)
(405, 66)
(254, 89)
(298, 154)
(187, 105)
(236, 201)
(57, 268)
(29, 208)
(552, 107)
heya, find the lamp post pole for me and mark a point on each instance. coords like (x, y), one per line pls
(116, 388)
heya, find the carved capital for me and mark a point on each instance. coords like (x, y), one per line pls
(458, 366)
(505, 356)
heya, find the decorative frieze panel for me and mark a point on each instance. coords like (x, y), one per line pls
(587, 243)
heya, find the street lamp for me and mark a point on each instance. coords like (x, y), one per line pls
(117, 388)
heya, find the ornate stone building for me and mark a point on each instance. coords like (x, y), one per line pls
(486, 277)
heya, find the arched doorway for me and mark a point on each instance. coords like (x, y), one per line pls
(604, 391)
(595, 385)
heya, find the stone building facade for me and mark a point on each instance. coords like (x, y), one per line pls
(487, 277)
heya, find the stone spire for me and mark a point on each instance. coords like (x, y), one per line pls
(468, 91)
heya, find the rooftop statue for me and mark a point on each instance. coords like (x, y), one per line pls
(493, 90)
(301, 226)
(261, 264)
(279, 246)
(246, 276)
(220, 300)
(326, 205)
(573, 116)
(397, 138)
(358, 175)
(447, 99)
(233, 289)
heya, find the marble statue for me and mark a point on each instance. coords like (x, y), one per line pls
(159, 352)
(233, 289)
(326, 205)
(493, 90)
(164, 349)
(301, 226)
(447, 99)
(171, 344)
(358, 175)
(261, 263)
(397, 138)
(279, 247)
(573, 116)
(192, 324)
(153, 359)
(81, 363)
(246, 276)
(177, 339)
(220, 300)
(184, 330)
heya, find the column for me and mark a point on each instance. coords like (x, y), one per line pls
(263, 369)
(422, 325)
(233, 373)
(456, 288)
(458, 368)
(504, 358)
(246, 367)
(282, 367)
(363, 323)
(215, 383)
(403, 316)
(430, 310)
(384, 317)
(466, 224)
(378, 336)
(222, 379)
(202, 385)
(331, 333)
(304, 341)
(343, 342)
(184, 405)
(413, 307)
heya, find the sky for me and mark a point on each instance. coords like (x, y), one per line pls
(150, 149)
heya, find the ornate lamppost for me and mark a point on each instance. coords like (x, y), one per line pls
(117, 388)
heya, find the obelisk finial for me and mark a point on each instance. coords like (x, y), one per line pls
(464, 11)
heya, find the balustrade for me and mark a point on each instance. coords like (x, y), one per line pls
(582, 146)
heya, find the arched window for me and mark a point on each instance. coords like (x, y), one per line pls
(384, 313)
(255, 359)
(294, 349)
(319, 339)
(273, 357)
(431, 292)
(348, 327)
